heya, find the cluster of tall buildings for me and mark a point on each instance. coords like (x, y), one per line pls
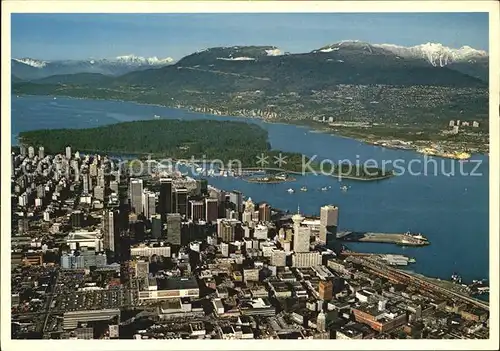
(165, 211)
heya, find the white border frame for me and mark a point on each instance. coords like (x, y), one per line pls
(492, 7)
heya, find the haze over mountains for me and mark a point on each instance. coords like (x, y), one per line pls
(30, 68)
(350, 53)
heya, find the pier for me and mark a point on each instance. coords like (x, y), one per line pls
(403, 239)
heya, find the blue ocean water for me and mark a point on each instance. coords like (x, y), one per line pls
(451, 211)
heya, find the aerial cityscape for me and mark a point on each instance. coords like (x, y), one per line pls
(316, 187)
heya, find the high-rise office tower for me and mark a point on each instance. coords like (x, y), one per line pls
(93, 170)
(265, 212)
(181, 201)
(156, 226)
(174, 228)
(301, 235)
(226, 230)
(68, 152)
(31, 152)
(91, 183)
(236, 197)
(165, 198)
(136, 195)
(85, 179)
(211, 210)
(203, 186)
(110, 229)
(22, 150)
(247, 218)
(41, 152)
(148, 203)
(329, 218)
(249, 206)
(196, 210)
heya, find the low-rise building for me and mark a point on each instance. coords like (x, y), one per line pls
(379, 317)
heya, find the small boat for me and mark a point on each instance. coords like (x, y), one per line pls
(156, 117)
(55, 98)
(324, 188)
(303, 188)
(344, 188)
(412, 260)
(291, 191)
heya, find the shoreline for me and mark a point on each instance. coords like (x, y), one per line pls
(308, 125)
(338, 176)
(275, 181)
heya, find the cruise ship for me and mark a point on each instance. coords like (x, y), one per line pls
(416, 236)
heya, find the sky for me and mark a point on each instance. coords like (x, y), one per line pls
(82, 36)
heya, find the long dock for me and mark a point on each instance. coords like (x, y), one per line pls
(386, 238)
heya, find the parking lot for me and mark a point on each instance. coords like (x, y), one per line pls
(92, 299)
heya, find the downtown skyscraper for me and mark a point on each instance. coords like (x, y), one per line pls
(136, 190)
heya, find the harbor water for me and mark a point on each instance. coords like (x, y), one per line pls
(451, 211)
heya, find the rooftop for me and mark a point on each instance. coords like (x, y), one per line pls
(177, 283)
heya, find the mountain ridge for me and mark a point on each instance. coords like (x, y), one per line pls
(29, 68)
(464, 59)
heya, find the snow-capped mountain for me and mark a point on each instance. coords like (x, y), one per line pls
(152, 61)
(32, 62)
(466, 60)
(29, 68)
(437, 54)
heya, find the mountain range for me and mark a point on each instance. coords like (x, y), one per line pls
(29, 68)
(398, 88)
(465, 59)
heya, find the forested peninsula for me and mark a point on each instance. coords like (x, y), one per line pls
(178, 139)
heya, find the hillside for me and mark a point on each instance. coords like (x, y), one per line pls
(346, 82)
